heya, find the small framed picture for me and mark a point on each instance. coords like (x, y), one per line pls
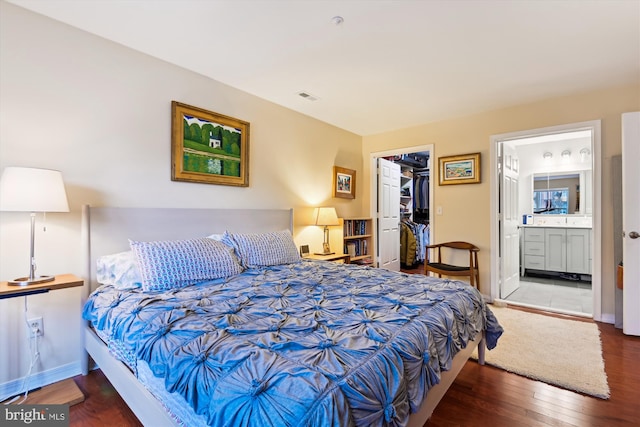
(304, 250)
(344, 183)
(462, 169)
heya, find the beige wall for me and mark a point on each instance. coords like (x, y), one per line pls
(466, 208)
(101, 113)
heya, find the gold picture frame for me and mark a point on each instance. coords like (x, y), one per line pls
(208, 147)
(461, 169)
(344, 183)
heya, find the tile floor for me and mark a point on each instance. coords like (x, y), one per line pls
(557, 294)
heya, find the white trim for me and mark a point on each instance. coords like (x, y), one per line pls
(608, 318)
(373, 183)
(596, 248)
(504, 302)
(41, 379)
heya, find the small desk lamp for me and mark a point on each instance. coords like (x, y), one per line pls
(326, 217)
(32, 190)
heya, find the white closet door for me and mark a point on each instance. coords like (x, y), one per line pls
(388, 215)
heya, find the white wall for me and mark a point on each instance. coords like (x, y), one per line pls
(101, 113)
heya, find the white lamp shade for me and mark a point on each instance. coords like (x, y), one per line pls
(325, 216)
(32, 190)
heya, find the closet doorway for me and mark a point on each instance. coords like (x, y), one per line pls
(414, 205)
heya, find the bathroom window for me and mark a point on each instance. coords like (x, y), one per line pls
(551, 201)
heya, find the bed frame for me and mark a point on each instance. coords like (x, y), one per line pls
(106, 230)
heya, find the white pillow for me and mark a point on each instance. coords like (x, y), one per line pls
(264, 249)
(172, 264)
(120, 270)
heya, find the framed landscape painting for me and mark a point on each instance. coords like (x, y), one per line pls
(208, 147)
(462, 169)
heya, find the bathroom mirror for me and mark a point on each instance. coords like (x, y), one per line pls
(560, 193)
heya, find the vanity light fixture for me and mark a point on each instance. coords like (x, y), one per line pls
(584, 153)
(566, 154)
(547, 155)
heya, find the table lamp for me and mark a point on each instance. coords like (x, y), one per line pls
(32, 190)
(325, 217)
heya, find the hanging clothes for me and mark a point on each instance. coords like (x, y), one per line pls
(421, 190)
(414, 232)
(408, 245)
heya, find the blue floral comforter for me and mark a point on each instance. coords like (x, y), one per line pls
(306, 344)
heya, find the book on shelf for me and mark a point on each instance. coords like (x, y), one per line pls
(351, 249)
(355, 227)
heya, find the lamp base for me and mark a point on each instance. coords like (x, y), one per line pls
(24, 281)
(326, 249)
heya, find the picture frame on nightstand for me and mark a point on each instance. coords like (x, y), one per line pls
(304, 250)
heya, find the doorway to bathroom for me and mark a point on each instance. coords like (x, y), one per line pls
(546, 219)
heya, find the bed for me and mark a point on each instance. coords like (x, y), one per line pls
(279, 341)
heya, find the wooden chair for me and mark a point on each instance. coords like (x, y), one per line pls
(440, 268)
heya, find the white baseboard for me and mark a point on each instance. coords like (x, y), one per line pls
(608, 318)
(39, 379)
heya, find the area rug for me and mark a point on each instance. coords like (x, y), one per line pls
(565, 353)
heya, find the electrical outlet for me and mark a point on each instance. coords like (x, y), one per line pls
(36, 327)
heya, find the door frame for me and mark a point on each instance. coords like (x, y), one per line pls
(596, 233)
(373, 183)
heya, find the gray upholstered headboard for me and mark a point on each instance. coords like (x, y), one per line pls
(107, 230)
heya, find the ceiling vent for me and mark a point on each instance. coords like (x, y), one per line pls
(308, 96)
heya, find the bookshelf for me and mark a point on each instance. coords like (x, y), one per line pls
(357, 235)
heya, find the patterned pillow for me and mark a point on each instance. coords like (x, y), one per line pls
(263, 249)
(120, 270)
(176, 263)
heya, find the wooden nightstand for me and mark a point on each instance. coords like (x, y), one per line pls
(60, 282)
(345, 258)
(65, 391)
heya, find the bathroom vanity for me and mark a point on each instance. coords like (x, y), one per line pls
(556, 247)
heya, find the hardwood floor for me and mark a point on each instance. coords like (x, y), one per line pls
(102, 405)
(480, 396)
(500, 398)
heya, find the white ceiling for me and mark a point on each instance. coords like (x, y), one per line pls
(391, 64)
